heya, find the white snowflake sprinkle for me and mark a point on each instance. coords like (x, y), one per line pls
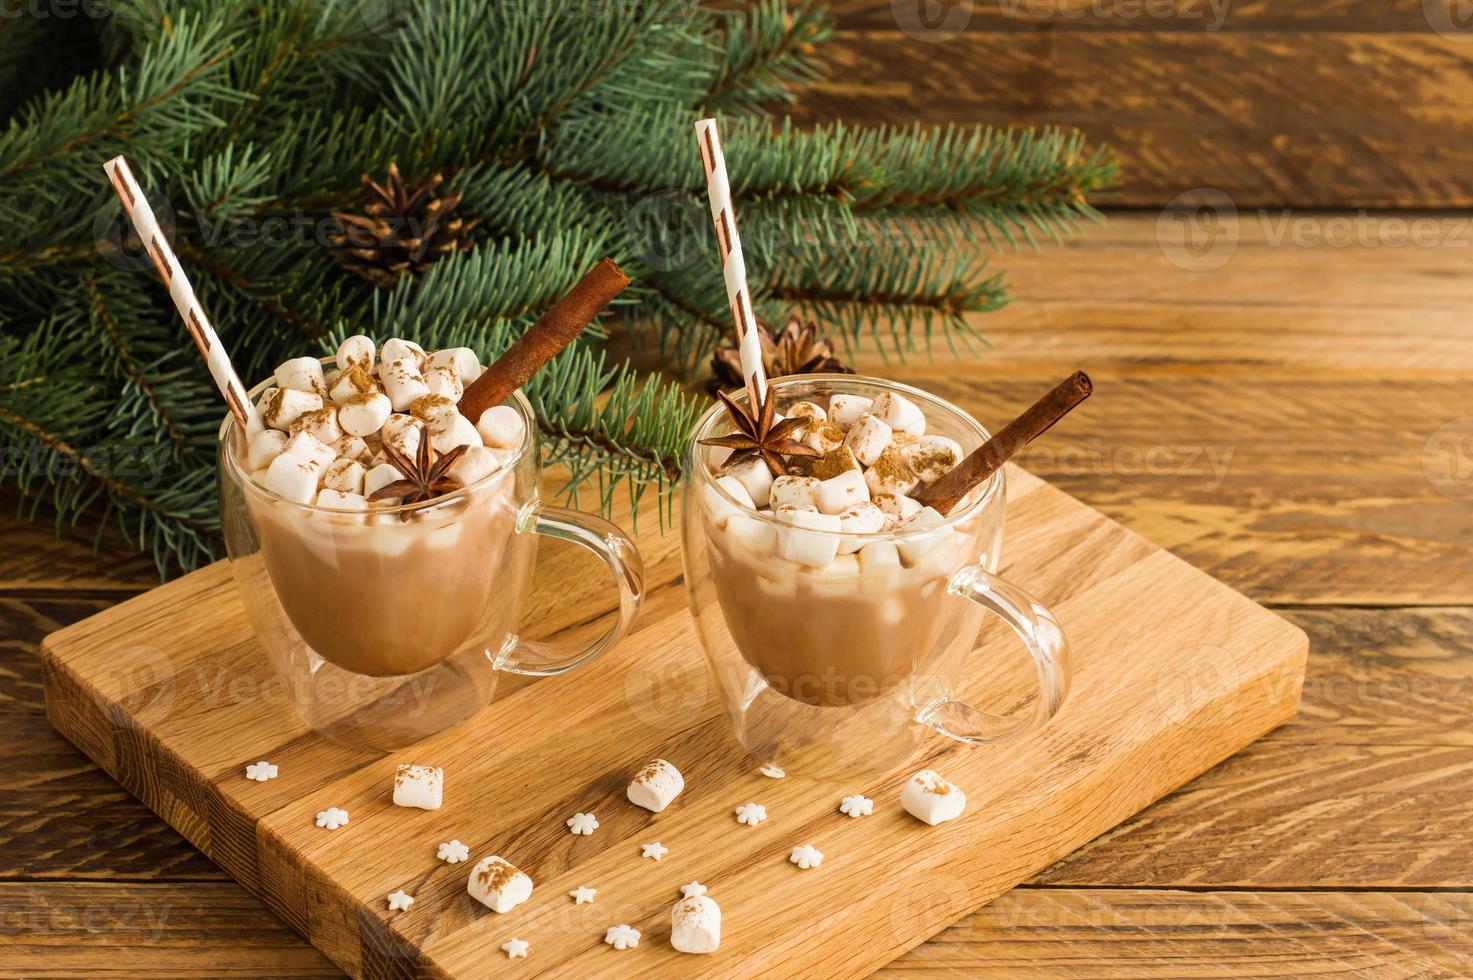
(693, 890)
(332, 818)
(453, 852)
(857, 806)
(400, 900)
(260, 771)
(751, 814)
(806, 856)
(582, 823)
(655, 850)
(622, 936)
(773, 772)
(514, 948)
(582, 894)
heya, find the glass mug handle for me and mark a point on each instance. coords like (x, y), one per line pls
(1040, 633)
(617, 552)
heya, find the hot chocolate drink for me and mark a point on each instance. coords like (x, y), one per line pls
(831, 578)
(386, 520)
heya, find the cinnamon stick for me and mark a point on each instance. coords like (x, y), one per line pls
(553, 331)
(986, 458)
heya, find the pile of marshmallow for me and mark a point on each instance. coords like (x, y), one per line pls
(873, 453)
(325, 432)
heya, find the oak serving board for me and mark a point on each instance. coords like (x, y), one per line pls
(168, 693)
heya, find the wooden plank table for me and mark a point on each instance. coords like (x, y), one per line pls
(1267, 421)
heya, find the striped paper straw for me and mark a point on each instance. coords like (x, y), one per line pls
(195, 321)
(733, 267)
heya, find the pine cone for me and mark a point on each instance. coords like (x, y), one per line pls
(797, 350)
(402, 233)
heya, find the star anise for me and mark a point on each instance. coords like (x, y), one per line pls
(756, 435)
(796, 349)
(422, 480)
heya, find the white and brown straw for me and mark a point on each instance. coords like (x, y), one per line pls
(141, 214)
(733, 267)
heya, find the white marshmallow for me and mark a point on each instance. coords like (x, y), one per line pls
(501, 426)
(343, 475)
(357, 349)
(900, 413)
(931, 799)
(814, 550)
(379, 477)
(293, 477)
(402, 382)
(310, 448)
(397, 350)
(915, 545)
(354, 448)
(758, 536)
(756, 477)
(823, 436)
(695, 925)
(443, 381)
(476, 463)
(402, 432)
(879, 557)
(794, 490)
(336, 500)
(322, 425)
(656, 785)
(365, 414)
(281, 406)
(264, 446)
(897, 508)
(718, 508)
(453, 430)
(933, 457)
(302, 374)
(497, 884)
(461, 360)
(867, 438)
(839, 493)
(860, 518)
(807, 410)
(785, 512)
(890, 474)
(421, 787)
(845, 410)
(433, 408)
(354, 381)
(716, 457)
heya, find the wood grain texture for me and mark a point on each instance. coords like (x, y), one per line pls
(1340, 104)
(180, 749)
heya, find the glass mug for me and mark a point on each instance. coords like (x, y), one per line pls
(845, 668)
(388, 629)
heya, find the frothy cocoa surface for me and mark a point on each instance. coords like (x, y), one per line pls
(379, 596)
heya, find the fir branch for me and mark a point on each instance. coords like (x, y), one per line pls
(768, 50)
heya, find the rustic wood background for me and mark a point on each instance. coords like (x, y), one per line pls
(1277, 103)
(1341, 844)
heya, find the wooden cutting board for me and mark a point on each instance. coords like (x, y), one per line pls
(169, 693)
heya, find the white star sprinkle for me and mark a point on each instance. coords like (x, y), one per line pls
(655, 850)
(582, 823)
(582, 894)
(400, 900)
(806, 856)
(622, 936)
(453, 852)
(751, 814)
(773, 772)
(260, 771)
(693, 890)
(857, 806)
(514, 948)
(332, 818)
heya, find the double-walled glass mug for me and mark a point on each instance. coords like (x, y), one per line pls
(845, 668)
(391, 626)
